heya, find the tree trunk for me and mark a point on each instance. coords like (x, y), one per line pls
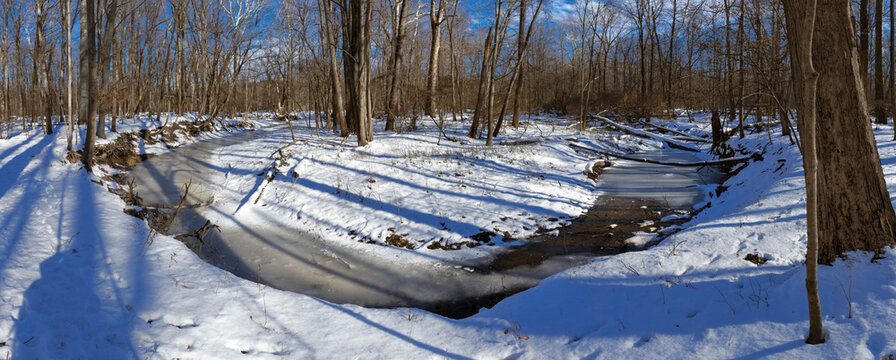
(516, 72)
(863, 44)
(855, 212)
(395, 64)
(728, 63)
(893, 63)
(69, 69)
(740, 70)
(338, 102)
(671, 55)
(801, 17)
(880, 111)
(356, 24)
(87, 79)
(4, 77)
(436, 18)
(105, 61)
(716, 124)
(520, 51)
(483, 73)
(41, 66)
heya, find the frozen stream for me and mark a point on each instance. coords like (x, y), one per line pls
(290, 259)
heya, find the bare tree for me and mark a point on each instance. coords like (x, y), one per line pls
(69, 70)
(893, 62)
(338, 111)
(863, 43)
(800, 29)
(436, 18)
(87, 78)
(398, 10)
(110, 10)
(880, 110)
(4, 65)
(516, 73)
(356, 28)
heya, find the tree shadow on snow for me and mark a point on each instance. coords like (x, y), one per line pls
(84, 304)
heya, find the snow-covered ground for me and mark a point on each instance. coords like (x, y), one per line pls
(79, 278)
(432, 192)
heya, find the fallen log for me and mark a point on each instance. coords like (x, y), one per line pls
(681, 136)
(692, 139)
(751, 127)
(754, 156)
(182, 205)
(649, 135)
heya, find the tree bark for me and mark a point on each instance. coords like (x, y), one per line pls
(356, 25)
(863, 44)
(105, 60)
(395, 64)
(69, 70)
(336, 84)
(520, 52)
(880, 111)
(41, 67)
(801, 21)
(87, 78)
(4, 77)
(855, 212)
(483, 73)
(893, 62)
(716, 124)
(436, 18)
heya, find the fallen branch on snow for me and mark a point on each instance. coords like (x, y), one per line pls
(675, 144)
(680, 135)
(649, 161)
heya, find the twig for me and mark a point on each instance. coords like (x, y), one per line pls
(629, 268)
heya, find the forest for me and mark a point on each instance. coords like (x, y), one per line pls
(465, 179)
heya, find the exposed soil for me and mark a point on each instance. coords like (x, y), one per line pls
(398, 240)
(601, 231)
(756, 259)
(120, 153)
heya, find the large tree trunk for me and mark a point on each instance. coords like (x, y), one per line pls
(855, 212)
(480, 94)
(356, 22)
(69, 69)
(45, 68)
(104, 62)
(395, 64)
(716, 124)
(740, 69)
(880, 111)
(728, 62)
(521, 72)
(436, 18)
(4, 76)
(863, 43)
(336, 85)
(892, 95)
(671, 55)
(87, 80)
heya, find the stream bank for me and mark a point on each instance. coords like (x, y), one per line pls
(635, 197)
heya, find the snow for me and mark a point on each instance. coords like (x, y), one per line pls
(640, 239)
(79, 278)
